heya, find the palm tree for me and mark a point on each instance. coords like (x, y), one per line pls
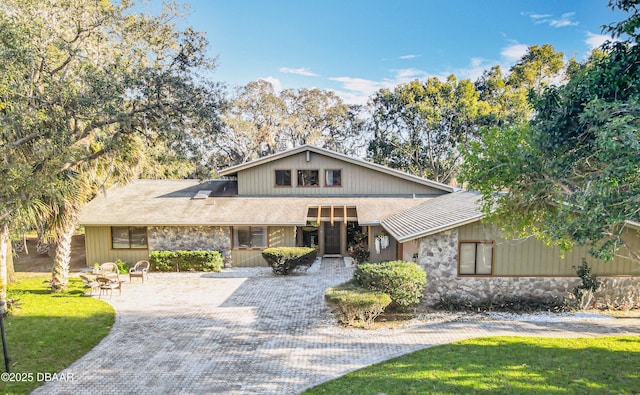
(75, 188)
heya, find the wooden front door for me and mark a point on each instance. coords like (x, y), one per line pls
(332, 238)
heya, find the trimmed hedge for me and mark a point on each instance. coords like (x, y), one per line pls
(351, 302)
(176, 261)
(284, 259)
(403, 281)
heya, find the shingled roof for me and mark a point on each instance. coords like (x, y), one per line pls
(436, 215)
(190, 202)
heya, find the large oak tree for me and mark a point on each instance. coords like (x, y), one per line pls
(85, 81)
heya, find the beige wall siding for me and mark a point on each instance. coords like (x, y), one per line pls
(245, 258)
(282, 236)
(279, 236)
(98, 247)
(388, 254)
(530, 257)
(356, 180)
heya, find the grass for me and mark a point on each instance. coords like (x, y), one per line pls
(504, 365)
(47, 332)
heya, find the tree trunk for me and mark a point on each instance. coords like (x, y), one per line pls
(62, 259)
(42, 246)
(4, 249)
(11, 273)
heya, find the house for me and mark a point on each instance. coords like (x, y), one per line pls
(309, 196)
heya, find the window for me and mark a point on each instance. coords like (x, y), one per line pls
(128, 237)
(308, 178)
(250, 237)
(333, 178)
(476, 257)
(283, 178)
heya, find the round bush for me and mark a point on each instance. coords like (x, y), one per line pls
(403, 281)
(284, 259)
(351, 303)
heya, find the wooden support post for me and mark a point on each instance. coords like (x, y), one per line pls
(331, 216)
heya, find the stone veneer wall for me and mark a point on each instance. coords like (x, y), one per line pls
(208, 238)
(438, 255)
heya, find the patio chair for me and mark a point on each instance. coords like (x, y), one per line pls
(109, 284)
(140, 269)
(93, 285)
(109, 270)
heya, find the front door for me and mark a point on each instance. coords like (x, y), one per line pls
(332, 238)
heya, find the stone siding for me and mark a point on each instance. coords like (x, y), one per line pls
(438, 255)
(207, 238)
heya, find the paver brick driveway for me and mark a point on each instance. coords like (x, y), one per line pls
(245, 331)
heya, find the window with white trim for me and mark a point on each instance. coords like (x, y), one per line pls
(476, 257)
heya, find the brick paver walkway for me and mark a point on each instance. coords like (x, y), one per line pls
(245, 331)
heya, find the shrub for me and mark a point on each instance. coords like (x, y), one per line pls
(590, 284)
(175, 261)
(351, 302)
(403, 281)
(123, 267)
(284, 259)
(359, 249)
(506, 304)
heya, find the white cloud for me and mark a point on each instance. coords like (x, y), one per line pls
(298, 71)
(358, 90)
(595, 40)
(565, 19)
(407, 75)
(514, 52)
(404, 57)
(277, 85)
(535, 16)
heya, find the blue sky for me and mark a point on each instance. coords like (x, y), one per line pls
(355, 47)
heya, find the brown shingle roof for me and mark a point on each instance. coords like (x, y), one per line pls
(170, 202)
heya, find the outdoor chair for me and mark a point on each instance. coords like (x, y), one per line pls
(109, 270)
(139, 270)
(93, 285)
(109, 284)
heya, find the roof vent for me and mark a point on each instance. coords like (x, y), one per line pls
(202, 194)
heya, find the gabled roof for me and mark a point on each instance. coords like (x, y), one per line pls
(335, 155)
(436, 215)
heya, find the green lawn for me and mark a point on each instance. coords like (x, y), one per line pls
(50, 331)
(503, 365)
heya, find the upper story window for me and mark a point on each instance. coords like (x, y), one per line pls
(283, 178)
(333, 178)
(128, 237)
(308, 178)
(476, 257)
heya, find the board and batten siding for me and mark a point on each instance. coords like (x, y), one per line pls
(279, 236)
(98, 248)
(531, 257)
(356, 180)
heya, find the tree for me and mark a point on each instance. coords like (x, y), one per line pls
(507, 104)
(422, 128)
(253, 121)
(572, 176)
(82, 81)
(259, 121)
(538, 68)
